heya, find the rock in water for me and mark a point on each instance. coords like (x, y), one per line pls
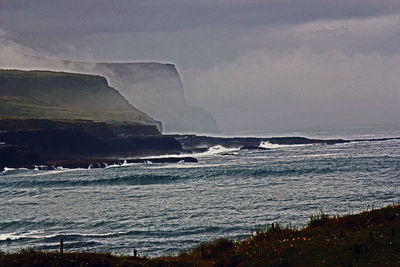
(254, 148)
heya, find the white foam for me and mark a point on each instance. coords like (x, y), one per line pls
(186, 166)
(215, 150)
(267, 144)
(16, 236)
(42, 235)
(125, 164)
(9, 169)
(6, 169)
(50, 172)
(112, 166)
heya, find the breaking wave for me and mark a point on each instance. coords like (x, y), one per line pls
(215, 150)
(143, 179)
(268, 145)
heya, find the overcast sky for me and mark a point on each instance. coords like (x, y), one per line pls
(256, 65)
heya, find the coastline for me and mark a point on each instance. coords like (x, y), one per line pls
(81, 144)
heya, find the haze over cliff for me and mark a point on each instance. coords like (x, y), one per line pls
(154, 88)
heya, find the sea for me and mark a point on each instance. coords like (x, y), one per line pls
(163, 209)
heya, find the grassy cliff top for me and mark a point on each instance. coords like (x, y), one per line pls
(61, 95)
(42, 73)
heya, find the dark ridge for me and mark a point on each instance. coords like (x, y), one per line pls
(106, 130)
(24, 143)
(197, 143)
(253, 148)
(103, 163)
(194, 142)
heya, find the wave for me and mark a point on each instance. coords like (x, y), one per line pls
(218, 149)
(8, 170)
(25, 172)
(214, 150)
(280, 172)
(186, 166)
(142, 179)
(49, 237)
(268, 145)
(75, 236)
(18, 236)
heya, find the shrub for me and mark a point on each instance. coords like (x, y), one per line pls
(318, 219)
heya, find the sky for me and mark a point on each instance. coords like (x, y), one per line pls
(255, 65)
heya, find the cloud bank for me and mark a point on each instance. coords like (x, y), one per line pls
(324, 74)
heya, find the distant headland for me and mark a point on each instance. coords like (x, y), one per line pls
(58, 119)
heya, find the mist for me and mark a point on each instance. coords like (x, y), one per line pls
(326, 74)
(255, 65)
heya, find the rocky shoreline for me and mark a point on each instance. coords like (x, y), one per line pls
(102, 163)
(51, 144)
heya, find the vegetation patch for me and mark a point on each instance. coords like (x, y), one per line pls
(370, 238)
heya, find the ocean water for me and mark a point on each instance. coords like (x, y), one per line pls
(162, 209)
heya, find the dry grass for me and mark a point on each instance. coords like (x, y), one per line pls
(369, 238)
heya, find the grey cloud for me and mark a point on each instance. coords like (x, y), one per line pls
(334, 77)
(121, 16)
(299, 90)
(158, 28)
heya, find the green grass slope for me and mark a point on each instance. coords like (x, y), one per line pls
(370, 238)
(60, 95)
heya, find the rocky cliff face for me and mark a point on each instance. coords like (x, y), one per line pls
(38, 141)
(67, 96)
(154, 88)
(157, 90)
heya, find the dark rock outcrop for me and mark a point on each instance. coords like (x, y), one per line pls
(303, 141)
(198, 143)
(103, 163)
(17, 156)
(253, 148)
(101, 129)
(21, 158)
(40, 141)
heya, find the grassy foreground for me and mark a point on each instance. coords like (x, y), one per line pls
(371, 238)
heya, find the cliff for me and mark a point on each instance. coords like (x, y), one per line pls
(157, 89)
(57, 118)
(24, 143)
(154, 88)
(60, 95)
